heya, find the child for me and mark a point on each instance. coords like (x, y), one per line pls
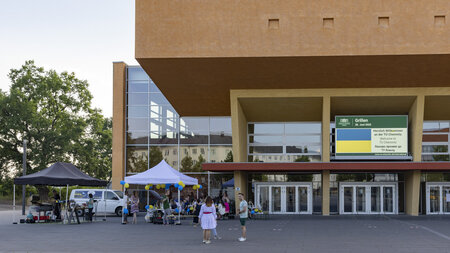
(208, 218)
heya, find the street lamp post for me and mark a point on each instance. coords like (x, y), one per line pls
(24, 165)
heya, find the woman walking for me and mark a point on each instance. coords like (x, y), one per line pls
(208, 218)
(134, 206)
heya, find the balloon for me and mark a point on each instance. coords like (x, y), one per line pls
(158, 186)
(122, 182)
(162, 186)
(147, 187)
(180, 183)
(127, 185)
(125, 210)
(191, 208)
(194, 187)
(253, 212)
(200, 186)
(147, 207)
(176, 210)
(176, 185)
(180, 187)
(256, 210)
(150, 185)
(151, 207)
(168, 185)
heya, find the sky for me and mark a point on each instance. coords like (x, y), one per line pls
(80, 36)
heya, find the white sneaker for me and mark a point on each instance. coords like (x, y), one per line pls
(217, 237)
(204, 241)
(208, 242)
(242, 239)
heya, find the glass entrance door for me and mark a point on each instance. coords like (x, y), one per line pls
(295, 198)
(438, 198)
(368, 198)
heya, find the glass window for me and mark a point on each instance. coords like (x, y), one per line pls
(137, 124)
(137, 111)
(303, 128)
(137, 137)
(220, 130)
(111, 196)
(158, 99)
(264, 139)
(164, 137)
(265, 149)
(435, 149)
(308, 139)
(137, 73)
(153, 87)
(137, 99)
(194, 124)
(119, 193)
(137, 159)
(303, 149)
(137, 86)
(266, 128)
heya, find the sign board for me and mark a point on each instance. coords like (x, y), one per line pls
(371, 136)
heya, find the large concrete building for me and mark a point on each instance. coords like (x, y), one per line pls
(274, 76)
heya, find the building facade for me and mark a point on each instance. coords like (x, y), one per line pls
(276, 83)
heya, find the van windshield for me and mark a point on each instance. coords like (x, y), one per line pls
(119, 193)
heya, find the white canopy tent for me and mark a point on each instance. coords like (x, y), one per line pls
(162, 173)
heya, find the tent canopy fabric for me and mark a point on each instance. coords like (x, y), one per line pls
(229, 183)
(60, 174)
(162, 173)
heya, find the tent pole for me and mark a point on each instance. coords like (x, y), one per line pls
(14, 204)
(148, 197)
(123, 205)
(179, 211)
(67, 194)
(104, 200)
(197, 193)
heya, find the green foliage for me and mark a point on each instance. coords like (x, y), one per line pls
(302, 159)
(186, 164)
(156, 156)
(53, 112)
(229, 158)
(198, 164)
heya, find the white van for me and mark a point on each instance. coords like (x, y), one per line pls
(113, 199)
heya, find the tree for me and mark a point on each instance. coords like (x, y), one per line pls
(156, 156)
(198, 165)
(53, 112)
(229, 158)
(186, 164)
(302, 158)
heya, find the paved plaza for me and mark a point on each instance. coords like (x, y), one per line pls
(279, 234)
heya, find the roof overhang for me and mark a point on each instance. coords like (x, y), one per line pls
(331, 166)
(201, 86)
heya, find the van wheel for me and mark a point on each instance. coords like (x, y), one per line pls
(118, 211)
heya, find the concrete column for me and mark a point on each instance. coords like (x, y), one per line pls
(326, 192)
(412, 192)
(239, 135)
(326, 154)
(240, 182)
(412, 178)
(118, 124)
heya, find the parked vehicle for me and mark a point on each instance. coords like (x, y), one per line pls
(109, 199)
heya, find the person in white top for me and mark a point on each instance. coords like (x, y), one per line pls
(243, 215)
(208, 218)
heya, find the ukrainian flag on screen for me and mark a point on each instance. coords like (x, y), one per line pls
(354, 141)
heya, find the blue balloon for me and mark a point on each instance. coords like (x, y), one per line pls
(201, 186)
(125, 210)
(176, 185)
(253, 212)
(122, 182)
(147, 207)
(180, 187)
(167, 185)
(176, 210)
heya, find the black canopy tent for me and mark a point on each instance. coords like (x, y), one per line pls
(59, 174)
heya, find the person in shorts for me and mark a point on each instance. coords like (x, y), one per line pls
(243, 215)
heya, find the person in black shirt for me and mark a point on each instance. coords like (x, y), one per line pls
(57, 205)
